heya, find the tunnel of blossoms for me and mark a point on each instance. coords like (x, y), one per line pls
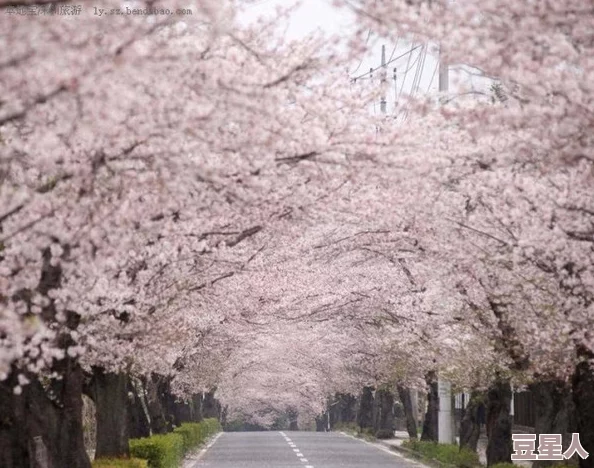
(202, 217)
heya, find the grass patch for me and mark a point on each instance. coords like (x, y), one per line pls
(367, 433)
(449, 454)
(119, 463)
(350, 427)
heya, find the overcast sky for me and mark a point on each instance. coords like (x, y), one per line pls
(417, 71)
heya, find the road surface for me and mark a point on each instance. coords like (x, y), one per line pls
(297, 450)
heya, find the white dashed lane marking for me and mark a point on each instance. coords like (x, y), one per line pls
(296, 450)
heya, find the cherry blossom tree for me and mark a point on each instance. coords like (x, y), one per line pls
(132, 169)
(522, 168)
(201, 204)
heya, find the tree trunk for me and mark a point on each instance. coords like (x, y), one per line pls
(293, 426)
(321, 423)
(197, 408)
(383, 415)
(168, 400)
(553, 408)
(332, 414)
(42, 427)
(499, 423)
(343, 410)
(292, 416)
(15, 441)
(430, 421)
(347, 408)
(470, 428)
(583, 399)
(365, 415)
(409, 411)
(109, 391)
(182, 411)
(210, 406)
(139, 423)
(160, 423)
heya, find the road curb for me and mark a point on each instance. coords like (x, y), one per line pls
(189, 462)
(431, 462)
(403, 453)
(415, 456)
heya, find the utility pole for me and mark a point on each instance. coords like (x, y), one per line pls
(383, 80)
(395, 77)
(414, 400)
(444, 76)
(445, 421)
(444, 70)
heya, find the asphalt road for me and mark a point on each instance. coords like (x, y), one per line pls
(296, 450)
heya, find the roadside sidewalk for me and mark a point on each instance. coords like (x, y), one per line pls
(401, 436)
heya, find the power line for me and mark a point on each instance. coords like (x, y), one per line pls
(417, 78)
(408, 68)
(432, 77)
(420, 70)
(366, 41)
(394, 49)
(387, 63)
(384, 77)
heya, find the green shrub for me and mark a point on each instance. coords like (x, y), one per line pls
(195, 434)
(210, 426)
(450, 454)
(161, 451)
(119, 463)
(167, 450)
(191, 434)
